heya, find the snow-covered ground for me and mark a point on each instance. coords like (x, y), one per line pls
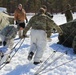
(19, 65)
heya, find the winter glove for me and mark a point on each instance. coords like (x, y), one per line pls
(4, 43)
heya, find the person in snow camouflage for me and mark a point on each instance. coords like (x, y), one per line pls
(20, 17)
(51, 16)
(7, 36)
(68, 13)
(38, 23)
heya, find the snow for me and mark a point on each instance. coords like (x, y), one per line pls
(2, 9)
(19, 65)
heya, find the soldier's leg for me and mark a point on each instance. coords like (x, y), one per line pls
(2, 38)
(9, 44)
(20, 33)
(33, 45)
(1, 55)
(41, 46)
(48, 35)
(74, 45)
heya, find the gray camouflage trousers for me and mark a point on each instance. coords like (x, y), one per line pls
(9, 44)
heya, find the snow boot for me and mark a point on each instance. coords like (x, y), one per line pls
(30, 56)
(8, 60)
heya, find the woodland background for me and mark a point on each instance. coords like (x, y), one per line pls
(54, 6)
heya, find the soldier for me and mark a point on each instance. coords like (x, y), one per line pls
(7, 36)
(68, 13)
(51, 16)
(38, 23)
(20, 17)
(47, 13)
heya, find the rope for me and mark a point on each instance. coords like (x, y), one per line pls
(16, 50)
(60, 65)
(48, 64)
(8, 56)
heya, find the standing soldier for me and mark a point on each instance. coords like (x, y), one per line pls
(38, 23)
(51, 16)
(68, 13)
(20, 17)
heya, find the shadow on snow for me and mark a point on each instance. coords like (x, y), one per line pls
(22, 69)
(62, 49)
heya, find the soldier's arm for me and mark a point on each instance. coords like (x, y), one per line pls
(59, 30)
(52, 24)
(28, 26)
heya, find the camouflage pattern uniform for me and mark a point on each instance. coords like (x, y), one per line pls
(51, 16)
(68, 13)
(68, 38)
(48, 29)
(8, 34)
(38, 23)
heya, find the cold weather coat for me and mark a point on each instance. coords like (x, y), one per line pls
(68, 15)
(40, 22)
(5, 19)
(48, 29)
(20, 15)
(9, 31)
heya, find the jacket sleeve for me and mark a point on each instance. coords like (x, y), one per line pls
(29, 25)
(52, 24)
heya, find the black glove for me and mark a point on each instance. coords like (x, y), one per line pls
(4, 43)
